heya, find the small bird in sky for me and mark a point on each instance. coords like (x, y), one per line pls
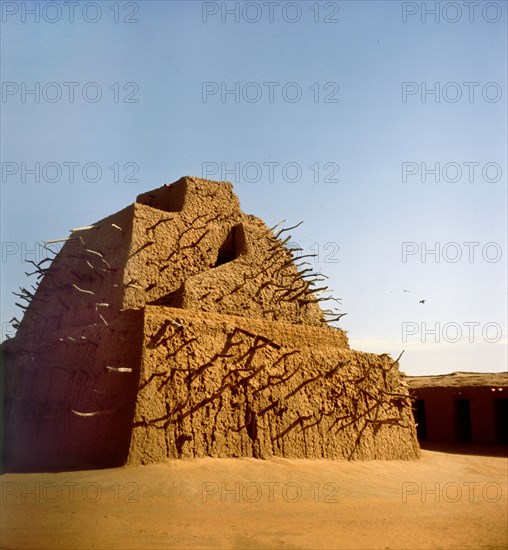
(405, 290)
(421, 302)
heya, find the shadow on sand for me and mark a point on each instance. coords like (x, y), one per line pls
(465, 449)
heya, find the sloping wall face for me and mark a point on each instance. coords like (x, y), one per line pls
(182, 327)
(224, 386)
(83, 285)
(66, 404)
(69, 395)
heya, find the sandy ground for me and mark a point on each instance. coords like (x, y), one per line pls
(445, 500)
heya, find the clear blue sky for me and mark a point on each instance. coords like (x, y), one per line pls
(361, 57)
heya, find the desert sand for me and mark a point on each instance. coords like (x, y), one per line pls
(444, 500)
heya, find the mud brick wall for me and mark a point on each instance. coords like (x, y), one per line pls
(226, 386)
(69, 394)
(192, 247)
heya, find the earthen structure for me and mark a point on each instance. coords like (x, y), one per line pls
(181, 327)
(461, 407)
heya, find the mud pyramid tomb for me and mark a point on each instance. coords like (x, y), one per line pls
(182, 327)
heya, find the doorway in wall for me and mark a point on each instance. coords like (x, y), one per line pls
(420, 419)
(463, 421)
(501, 420)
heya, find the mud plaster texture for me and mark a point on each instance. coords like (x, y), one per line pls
(181, 327)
